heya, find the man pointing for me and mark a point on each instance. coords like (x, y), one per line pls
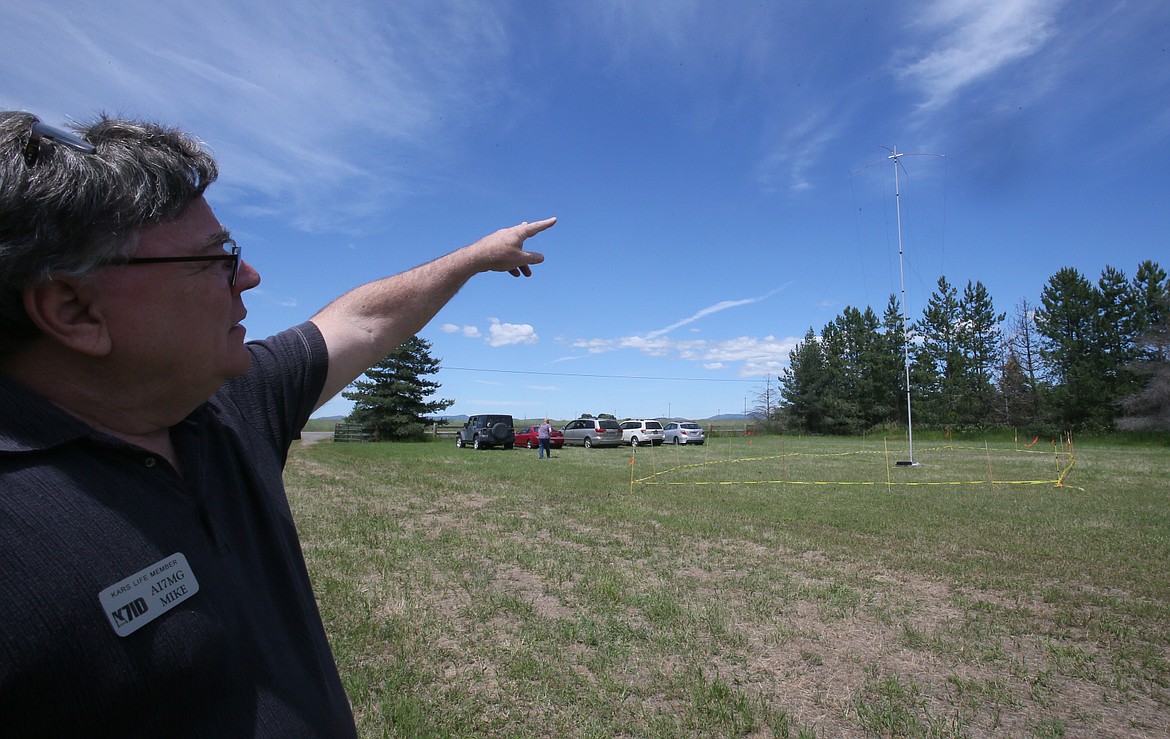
(150, 572)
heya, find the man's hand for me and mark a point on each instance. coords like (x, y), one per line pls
(503, 251)
(364, 325)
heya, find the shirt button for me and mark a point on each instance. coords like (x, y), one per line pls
(150, 461)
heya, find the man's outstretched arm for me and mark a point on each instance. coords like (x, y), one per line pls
(364, 325)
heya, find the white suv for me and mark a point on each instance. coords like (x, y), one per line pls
(637, 431)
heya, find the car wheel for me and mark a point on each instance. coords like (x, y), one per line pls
(500, 431)
(458, 442)
(633, 441)
(529, 445)
(588, 443)
(509, 446)
(475, 443)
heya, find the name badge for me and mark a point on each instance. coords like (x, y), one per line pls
(148, 594)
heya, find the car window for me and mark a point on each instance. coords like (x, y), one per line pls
(653, 425)
(690, 425)
(609, 425)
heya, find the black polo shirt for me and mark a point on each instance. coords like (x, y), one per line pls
(138, 602)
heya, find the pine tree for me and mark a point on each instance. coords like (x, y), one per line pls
(1151, 298)
(803, 385)
(979, 344)
(854, 355)
(938, 361)
(1116, 318)
(1067, 321)
(894, 346)
(841, 381)
(393, 397)
(1149, 407)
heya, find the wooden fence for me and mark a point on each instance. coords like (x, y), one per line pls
(352, 432)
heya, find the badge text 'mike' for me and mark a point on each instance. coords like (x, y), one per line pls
(148, 594)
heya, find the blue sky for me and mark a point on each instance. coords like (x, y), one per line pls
(710, 164)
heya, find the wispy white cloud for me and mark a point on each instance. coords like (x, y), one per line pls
(269, 298)
(697, 30)
(799, 150)
(754, 356)
(709, 310)
(296, 102)
(975, 40)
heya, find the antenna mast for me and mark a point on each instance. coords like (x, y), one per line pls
(894, 156)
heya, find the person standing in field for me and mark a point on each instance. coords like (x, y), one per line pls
(544, 439)
(151, 576)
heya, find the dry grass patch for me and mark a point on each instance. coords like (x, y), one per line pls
(483, 594)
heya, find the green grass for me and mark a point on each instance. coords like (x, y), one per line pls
(718, 591)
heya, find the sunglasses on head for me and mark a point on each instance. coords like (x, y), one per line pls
(43, 133)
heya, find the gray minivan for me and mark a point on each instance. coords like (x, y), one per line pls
(591, 432)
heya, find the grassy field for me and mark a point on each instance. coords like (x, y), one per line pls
(726, 591)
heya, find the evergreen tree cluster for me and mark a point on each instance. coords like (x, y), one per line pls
(1089, 356)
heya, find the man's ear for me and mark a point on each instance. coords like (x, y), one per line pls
(65, 310)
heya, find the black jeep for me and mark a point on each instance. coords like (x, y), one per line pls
(485, 432)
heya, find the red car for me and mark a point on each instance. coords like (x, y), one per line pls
(526, 438)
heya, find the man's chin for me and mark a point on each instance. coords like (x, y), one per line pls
(241, 363)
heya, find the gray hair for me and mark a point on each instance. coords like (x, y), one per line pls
(66, 211)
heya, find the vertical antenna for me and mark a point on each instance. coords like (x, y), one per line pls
(894, 156)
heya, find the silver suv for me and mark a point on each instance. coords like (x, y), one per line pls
(591, 432)
(685, 432)
(637, 431)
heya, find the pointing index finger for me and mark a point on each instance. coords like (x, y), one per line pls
(531, 229)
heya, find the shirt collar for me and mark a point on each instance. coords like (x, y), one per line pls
(30, 423)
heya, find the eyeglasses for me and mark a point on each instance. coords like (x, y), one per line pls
(42, 132)
(233, 257)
